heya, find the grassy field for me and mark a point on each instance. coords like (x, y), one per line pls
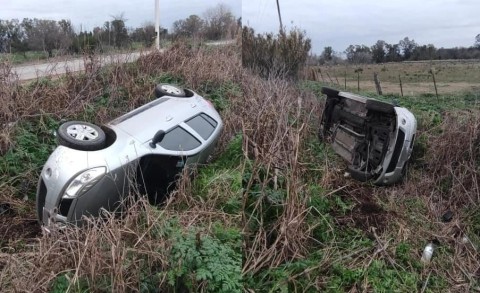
(272, 213)
(452, 77)
(28, 57)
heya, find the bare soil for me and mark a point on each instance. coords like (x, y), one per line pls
(14, 228)
(366, 213)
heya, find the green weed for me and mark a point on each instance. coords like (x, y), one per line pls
(34, 141)
(201, 260)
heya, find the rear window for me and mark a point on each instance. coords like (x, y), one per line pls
(178, 139)
(203, 124)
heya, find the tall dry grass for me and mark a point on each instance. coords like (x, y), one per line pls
(276, 120)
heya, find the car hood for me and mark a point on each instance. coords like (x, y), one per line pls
(161, 114)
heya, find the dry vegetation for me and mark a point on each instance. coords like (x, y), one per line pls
(272, 213)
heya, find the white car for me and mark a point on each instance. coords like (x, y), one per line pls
(94, 168)
(375, 138)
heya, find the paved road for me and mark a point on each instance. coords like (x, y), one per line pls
(32, 71)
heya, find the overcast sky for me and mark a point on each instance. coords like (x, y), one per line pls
(91, 13)
(339, 23)
(336, 23)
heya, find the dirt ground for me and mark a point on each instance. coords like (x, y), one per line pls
(15, 227)
(366, 213)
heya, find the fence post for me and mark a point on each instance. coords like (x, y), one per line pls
(321, 75)
(377, 83)
(331, 81)
(358, 81)
(401, 87)
(358, 70)
(345, 80)
(432, 71)
(336, 78)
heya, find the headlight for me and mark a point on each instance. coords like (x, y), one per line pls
(84, 181)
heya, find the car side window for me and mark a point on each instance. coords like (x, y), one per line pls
(203, 125)
(178, 139)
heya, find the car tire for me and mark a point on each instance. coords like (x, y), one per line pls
(165, 89)
(379, 106)
(81, 136)
(329, 91)
(359, 175)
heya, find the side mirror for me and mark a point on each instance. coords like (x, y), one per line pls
(158, 137)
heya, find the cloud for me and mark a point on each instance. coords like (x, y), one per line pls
(444, 23)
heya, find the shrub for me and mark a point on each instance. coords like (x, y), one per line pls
(272, 56)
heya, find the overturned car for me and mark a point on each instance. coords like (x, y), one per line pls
(94, 168)
(375, 138)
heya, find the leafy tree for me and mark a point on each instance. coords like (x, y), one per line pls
(379, 51)
(45, 35)
(393, 53)
(119, 31)
(407, 46)
(425, 52)
(145, 34)
(477, 41)
(327, 53)
(189, 27)
(12, 36)
(3, 36)
(358, 54)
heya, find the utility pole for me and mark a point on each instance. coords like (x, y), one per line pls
(157, 24)
(279, 17)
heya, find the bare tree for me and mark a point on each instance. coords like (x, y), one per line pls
(219, 23)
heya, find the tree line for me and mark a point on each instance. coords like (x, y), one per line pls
(405, 50)
(60, 37)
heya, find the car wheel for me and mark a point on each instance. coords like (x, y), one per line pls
(329, 91)
(81, 136)
(164, 89)
(380, 106)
